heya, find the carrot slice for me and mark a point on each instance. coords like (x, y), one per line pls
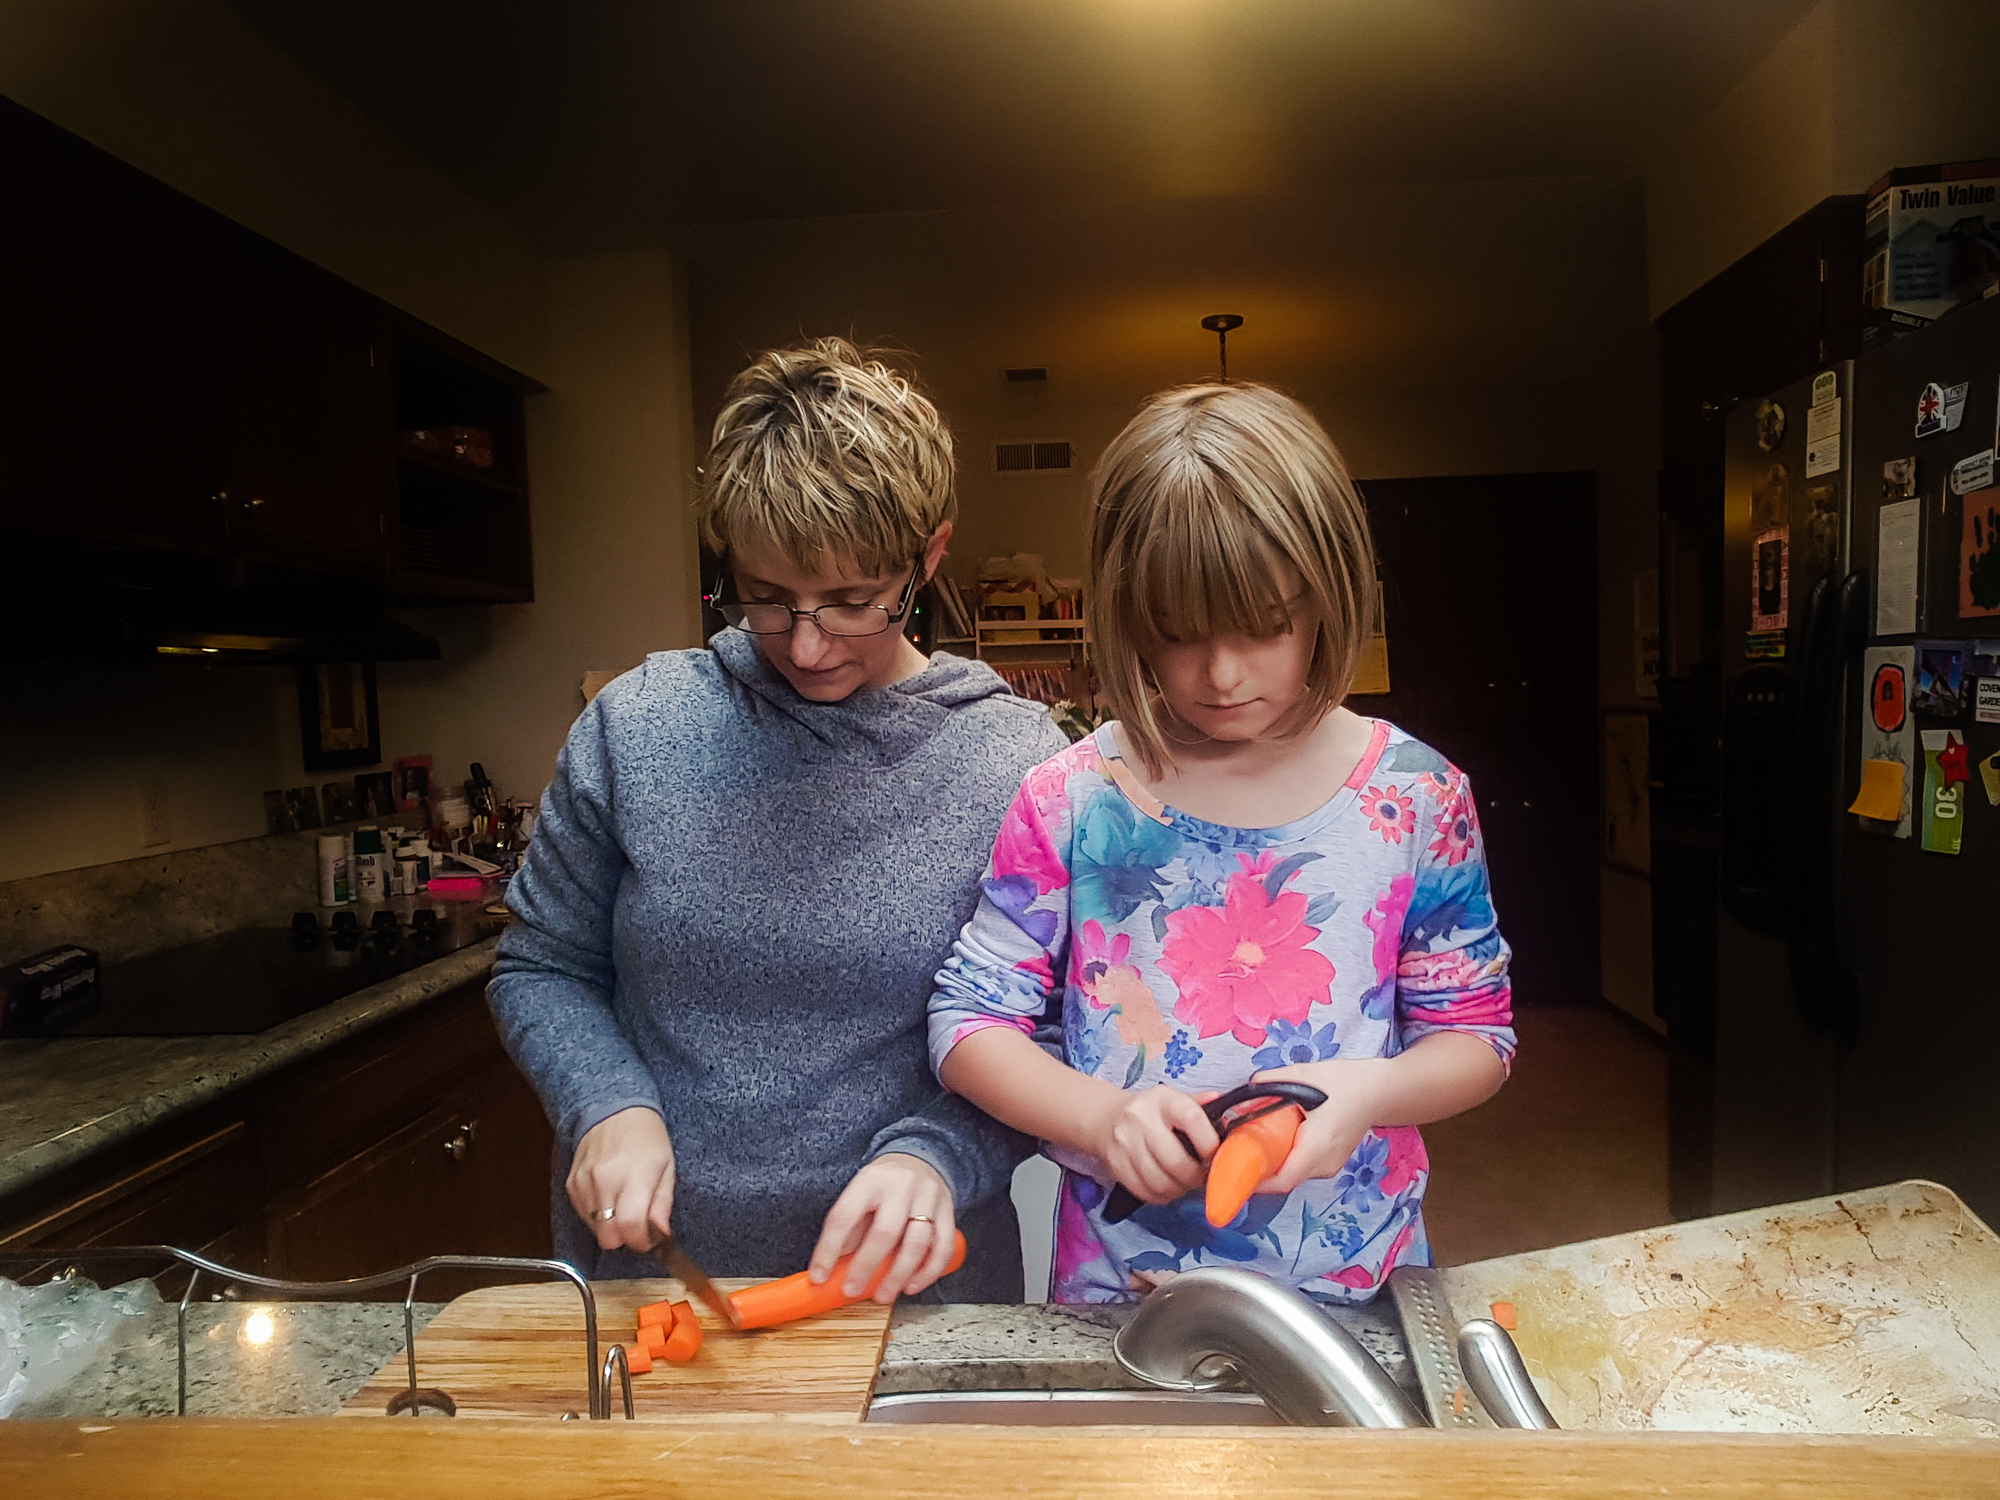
(684, 1313)
(1503, 1314)
(637, 1360)
(683, 1343)
(652, 1338)
(661, 1313)
(1250, 1153)
(793, 1297)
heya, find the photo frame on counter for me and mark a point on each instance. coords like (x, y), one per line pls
(338, 723)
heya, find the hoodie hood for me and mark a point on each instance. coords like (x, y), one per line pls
(883, 726)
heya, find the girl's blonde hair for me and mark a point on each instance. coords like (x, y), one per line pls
(830, 455)
(1198, 508)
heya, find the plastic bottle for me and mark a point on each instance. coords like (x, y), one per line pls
(334, 889)
(404, 882)
(369, 881)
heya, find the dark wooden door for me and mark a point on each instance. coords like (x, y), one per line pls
(1491, 592)
(307, 415)
(110, 356)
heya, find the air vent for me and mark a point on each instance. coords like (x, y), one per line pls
(1041, 456)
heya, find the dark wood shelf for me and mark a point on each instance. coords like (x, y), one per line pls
(485, 479)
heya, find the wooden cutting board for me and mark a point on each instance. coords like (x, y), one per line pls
(517, 1351)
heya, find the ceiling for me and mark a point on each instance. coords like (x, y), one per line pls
(593, 123)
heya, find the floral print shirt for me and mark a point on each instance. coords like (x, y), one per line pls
(1194, 955)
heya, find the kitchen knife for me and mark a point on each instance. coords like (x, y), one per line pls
(681, 1265)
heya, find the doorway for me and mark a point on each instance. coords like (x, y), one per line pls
(1490, 593)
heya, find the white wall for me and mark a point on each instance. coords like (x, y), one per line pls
(184, 90)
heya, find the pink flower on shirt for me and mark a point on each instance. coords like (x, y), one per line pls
(1246, 964)
(1386, 922)
(1457, 825)
(1390, 813)
(1024, 846)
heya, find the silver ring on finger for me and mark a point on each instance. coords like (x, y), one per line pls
(923, 1219)
(607, 1214)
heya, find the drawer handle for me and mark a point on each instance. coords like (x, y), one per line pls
(461, 1143)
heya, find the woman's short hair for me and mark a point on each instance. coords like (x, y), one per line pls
(831, 456)
(1198, 510)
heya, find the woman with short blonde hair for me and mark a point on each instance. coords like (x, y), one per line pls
(747, 864)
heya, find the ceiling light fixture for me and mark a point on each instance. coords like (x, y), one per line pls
(1220, 324)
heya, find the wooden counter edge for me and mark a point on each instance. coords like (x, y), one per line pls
(305, 1458)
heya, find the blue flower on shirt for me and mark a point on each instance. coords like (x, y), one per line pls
(1289, 1043)
(1181, 1054)
(1083, 1033)
(1360, 1181)
(1014, 894)
(1456, 898)
(1120, 856)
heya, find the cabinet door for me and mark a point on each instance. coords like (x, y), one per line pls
(110, 354)
(469, 1178)
(306, 411)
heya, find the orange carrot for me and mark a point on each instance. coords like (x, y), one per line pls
(637, 1360)
(661, 1313)
(1250, 1153)
(793, 1297)
(1503, 1314)
(685, 1341)
(652, 1338)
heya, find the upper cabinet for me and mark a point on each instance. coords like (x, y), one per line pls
(172, 383)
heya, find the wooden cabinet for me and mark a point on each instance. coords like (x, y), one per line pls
(416, 1138)
(172, 382)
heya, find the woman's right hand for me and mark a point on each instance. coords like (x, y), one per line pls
(624, 1163)
(1134, 1136)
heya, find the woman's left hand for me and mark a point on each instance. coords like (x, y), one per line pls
(1328, 1135)
(896, 1206)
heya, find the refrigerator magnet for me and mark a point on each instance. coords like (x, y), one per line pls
(1974, 473)
(1944, 791)
(1770, 424)
(1770, 580)
(1954, 405)
(1989, 777)
(1986, 700)
(1930, 410)
(1940, 680)
(1899, 479)
(1979, 556)
(1888, 741)
(1771, 500)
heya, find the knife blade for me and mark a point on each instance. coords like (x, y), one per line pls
(682, 1266)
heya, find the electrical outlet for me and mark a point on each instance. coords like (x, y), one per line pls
(153, 830)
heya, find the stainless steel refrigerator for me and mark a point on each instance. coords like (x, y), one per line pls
(1857, 1015)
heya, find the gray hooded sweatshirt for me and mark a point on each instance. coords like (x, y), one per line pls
(731, 913)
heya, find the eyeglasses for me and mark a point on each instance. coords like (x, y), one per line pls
(832, 619)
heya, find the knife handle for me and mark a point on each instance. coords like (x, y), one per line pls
(790, 1298)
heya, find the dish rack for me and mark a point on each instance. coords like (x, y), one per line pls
(597, 1377)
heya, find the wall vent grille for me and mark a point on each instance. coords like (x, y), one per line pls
(1039, 456)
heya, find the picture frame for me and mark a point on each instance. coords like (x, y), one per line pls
(1625, 823)
(339, 726)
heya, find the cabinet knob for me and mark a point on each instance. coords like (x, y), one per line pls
(460, 1144)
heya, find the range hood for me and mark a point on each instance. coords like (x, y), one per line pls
(142, 624)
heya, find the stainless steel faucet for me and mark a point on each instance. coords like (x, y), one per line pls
(1210, 1324)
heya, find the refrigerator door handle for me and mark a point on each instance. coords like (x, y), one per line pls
(1835, 628)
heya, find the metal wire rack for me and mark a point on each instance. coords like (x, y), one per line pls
(596, 1377)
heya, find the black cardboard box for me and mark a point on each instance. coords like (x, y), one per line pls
(41, 994)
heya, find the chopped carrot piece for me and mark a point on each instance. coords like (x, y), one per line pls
(661, 1313)
(637, 1360)
(683, 1343)
(684, 1313)
(652, 1338)
(1503, 1314)
(1458, 1401)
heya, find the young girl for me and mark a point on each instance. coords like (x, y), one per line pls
(1238, 879)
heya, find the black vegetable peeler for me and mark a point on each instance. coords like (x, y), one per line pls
(1123, 1202)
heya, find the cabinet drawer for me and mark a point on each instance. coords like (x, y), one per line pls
(332, 1106)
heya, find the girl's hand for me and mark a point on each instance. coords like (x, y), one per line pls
(1134, 1136)
(896, 1205)
(1329, 1135)
(624, 1163)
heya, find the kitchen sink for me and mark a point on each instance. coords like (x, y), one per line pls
(1077, 1408)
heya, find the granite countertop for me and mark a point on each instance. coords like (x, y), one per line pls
(318, 1354)
(69, 1097)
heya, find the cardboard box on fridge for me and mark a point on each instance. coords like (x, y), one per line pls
(1932, 241)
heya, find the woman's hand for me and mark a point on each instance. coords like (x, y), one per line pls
(896, 1205)
(1134, 1136)
(624, 1163)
